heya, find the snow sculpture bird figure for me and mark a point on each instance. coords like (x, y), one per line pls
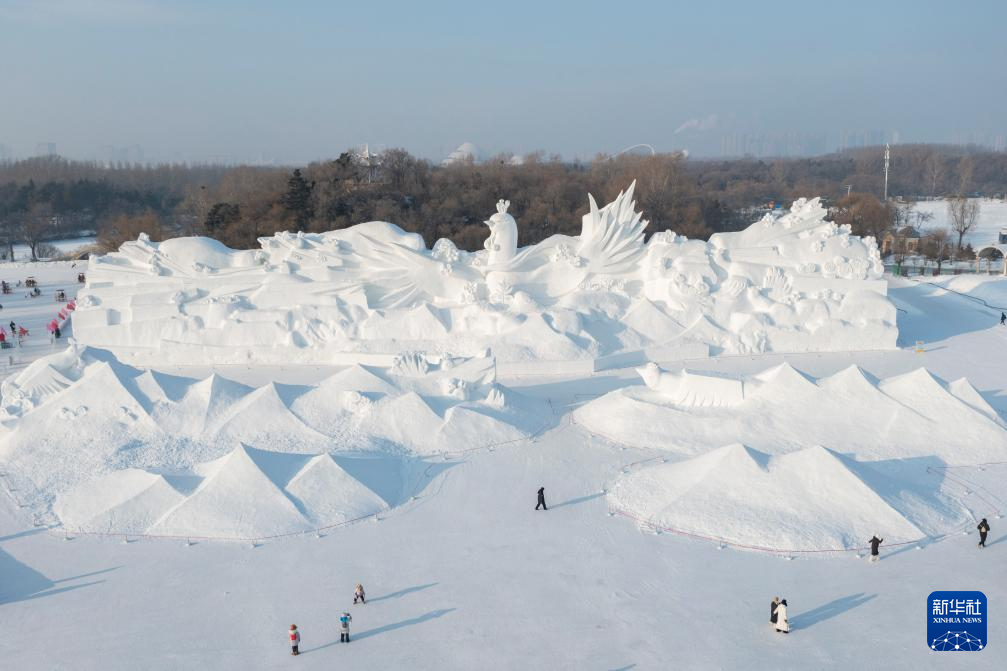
(502, 242)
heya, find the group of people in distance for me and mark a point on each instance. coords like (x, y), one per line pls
(294, 634)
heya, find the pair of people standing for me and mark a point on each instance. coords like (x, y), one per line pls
(294, 633)
(778, 615)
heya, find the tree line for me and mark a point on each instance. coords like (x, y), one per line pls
(46, 198)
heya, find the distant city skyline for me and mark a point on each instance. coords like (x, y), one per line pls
(253, 82)
(790, 144)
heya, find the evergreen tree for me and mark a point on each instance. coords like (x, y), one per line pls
(297, 199)
(220, 215)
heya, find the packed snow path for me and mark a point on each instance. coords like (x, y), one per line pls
(34, 312)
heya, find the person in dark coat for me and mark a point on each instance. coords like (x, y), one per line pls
(984, 528)
(1003, 318)
(875, 542)
(782, 622)
(772, 609)
(541, 499)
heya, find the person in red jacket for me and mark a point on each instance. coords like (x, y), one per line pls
(295, 639)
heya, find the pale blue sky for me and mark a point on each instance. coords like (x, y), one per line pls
(302, 80)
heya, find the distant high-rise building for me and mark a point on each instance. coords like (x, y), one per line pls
(110, 154)
(6, 153)
(45, 149)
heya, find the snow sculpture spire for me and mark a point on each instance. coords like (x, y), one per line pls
(502, 242)
(612, 237)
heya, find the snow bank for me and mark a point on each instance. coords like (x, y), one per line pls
(117, 446)
(787, 283)
(990, 288)
(810, 499)
(911, 416)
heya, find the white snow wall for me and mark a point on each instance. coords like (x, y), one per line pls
(794, 282)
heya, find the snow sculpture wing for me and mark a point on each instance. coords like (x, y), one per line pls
(611, 239)
(400, 277)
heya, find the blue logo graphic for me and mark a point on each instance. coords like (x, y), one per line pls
(956, 621)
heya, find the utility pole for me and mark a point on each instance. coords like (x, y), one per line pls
(888, 153)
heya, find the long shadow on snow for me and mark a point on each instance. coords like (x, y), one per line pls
(22, 583)
(432, 615)
(829, 610)
(403, 592)
(26, 532)
(582, 499)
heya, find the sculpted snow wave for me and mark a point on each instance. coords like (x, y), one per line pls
(82, 426)
(910, 416)
(810, 464)
(794, 282)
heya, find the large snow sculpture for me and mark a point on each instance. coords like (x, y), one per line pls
(787, 283)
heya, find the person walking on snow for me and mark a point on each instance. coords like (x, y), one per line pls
(984, 528)
(772, 609)
(782, 623)
(358, 594)
(1003, 318)
(875, 542)
(541, 499)
(295, 640)
(344, 627)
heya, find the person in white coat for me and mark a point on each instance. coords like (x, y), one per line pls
(782, 623)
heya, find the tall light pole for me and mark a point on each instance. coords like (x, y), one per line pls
(888, 153)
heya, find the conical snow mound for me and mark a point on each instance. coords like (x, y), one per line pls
(812, 499)
(247, 494)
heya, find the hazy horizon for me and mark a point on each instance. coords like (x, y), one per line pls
(244, 82)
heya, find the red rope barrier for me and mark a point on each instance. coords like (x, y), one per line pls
(759, 548)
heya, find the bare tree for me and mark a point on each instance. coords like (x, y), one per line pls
(963, 213)
(937, 246)
(965, 168)
(125, 228)
(934, 172)
(35, 223)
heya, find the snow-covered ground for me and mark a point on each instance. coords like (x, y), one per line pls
(35, 312)
(992, 218)
(467, 574)
(66, 246)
